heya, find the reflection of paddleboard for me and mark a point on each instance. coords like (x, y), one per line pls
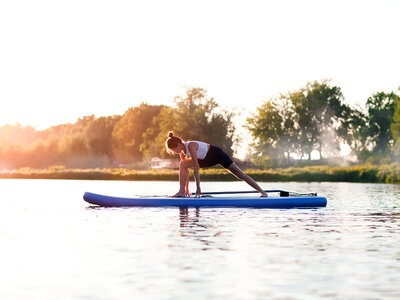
(255, 201)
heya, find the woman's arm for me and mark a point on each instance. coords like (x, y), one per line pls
(193, 153)
(183, 157)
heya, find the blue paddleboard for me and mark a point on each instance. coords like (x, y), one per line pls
(255, 201)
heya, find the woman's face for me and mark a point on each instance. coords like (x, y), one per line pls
(177, 149)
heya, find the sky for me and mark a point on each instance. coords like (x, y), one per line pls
(61, 60)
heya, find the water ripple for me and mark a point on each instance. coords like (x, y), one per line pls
(61, 248)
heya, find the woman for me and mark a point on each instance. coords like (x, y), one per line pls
(196, 155)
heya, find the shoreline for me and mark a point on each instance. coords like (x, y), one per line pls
(358, 173)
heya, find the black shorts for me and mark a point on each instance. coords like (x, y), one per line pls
(215, 155)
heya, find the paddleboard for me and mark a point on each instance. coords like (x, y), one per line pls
(254, 202)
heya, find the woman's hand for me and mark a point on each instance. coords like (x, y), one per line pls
(187, 191)
(198, 193)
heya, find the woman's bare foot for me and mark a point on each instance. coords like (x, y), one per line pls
(264, 195)
(179, 195)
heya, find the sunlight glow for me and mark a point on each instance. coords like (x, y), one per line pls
(63, 60)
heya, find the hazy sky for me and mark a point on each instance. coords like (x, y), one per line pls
(60, 60)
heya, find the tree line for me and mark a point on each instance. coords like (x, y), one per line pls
(316, 119)
(128, 140)
(285, 130)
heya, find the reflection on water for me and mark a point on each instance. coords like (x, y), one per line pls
(55, 246)
(199, 229)
(190, 225)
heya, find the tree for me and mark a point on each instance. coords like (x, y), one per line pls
(128, 132)
(199, 117)
(380, 116)
(194, 116)
(321, 115)
(99, 135)
(395, 126)
(155, 135)
(17, 135)
(311, 118)
(356, 133)
(274, 130)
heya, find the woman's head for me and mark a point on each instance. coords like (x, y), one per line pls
(172, 143)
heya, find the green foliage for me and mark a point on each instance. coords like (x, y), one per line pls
(363, 173)
(128, 132)
(195, 116)
(155, 135)
(375, 140)
(395, 125)
(357, 136)
(315, 118)
(284, 129)
(295, 124)
(274, 130)
(198, 117)
(320, 114)
(99, 134)
(105, 141)
(380, 110)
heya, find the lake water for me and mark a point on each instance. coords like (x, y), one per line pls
(55, 246)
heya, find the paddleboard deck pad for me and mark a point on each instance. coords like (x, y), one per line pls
(253, 202)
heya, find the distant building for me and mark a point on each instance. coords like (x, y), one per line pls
(158, 163)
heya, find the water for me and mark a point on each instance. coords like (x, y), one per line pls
(55, 246)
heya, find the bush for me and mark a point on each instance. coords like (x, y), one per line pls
(361, 173)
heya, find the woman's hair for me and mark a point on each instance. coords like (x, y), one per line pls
(171, 142)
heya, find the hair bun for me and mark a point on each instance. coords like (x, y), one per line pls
(170, 134)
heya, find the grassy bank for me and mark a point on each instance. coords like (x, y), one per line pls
(360, 173)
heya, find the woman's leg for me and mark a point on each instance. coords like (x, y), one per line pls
(184, 166)
(235, 170)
